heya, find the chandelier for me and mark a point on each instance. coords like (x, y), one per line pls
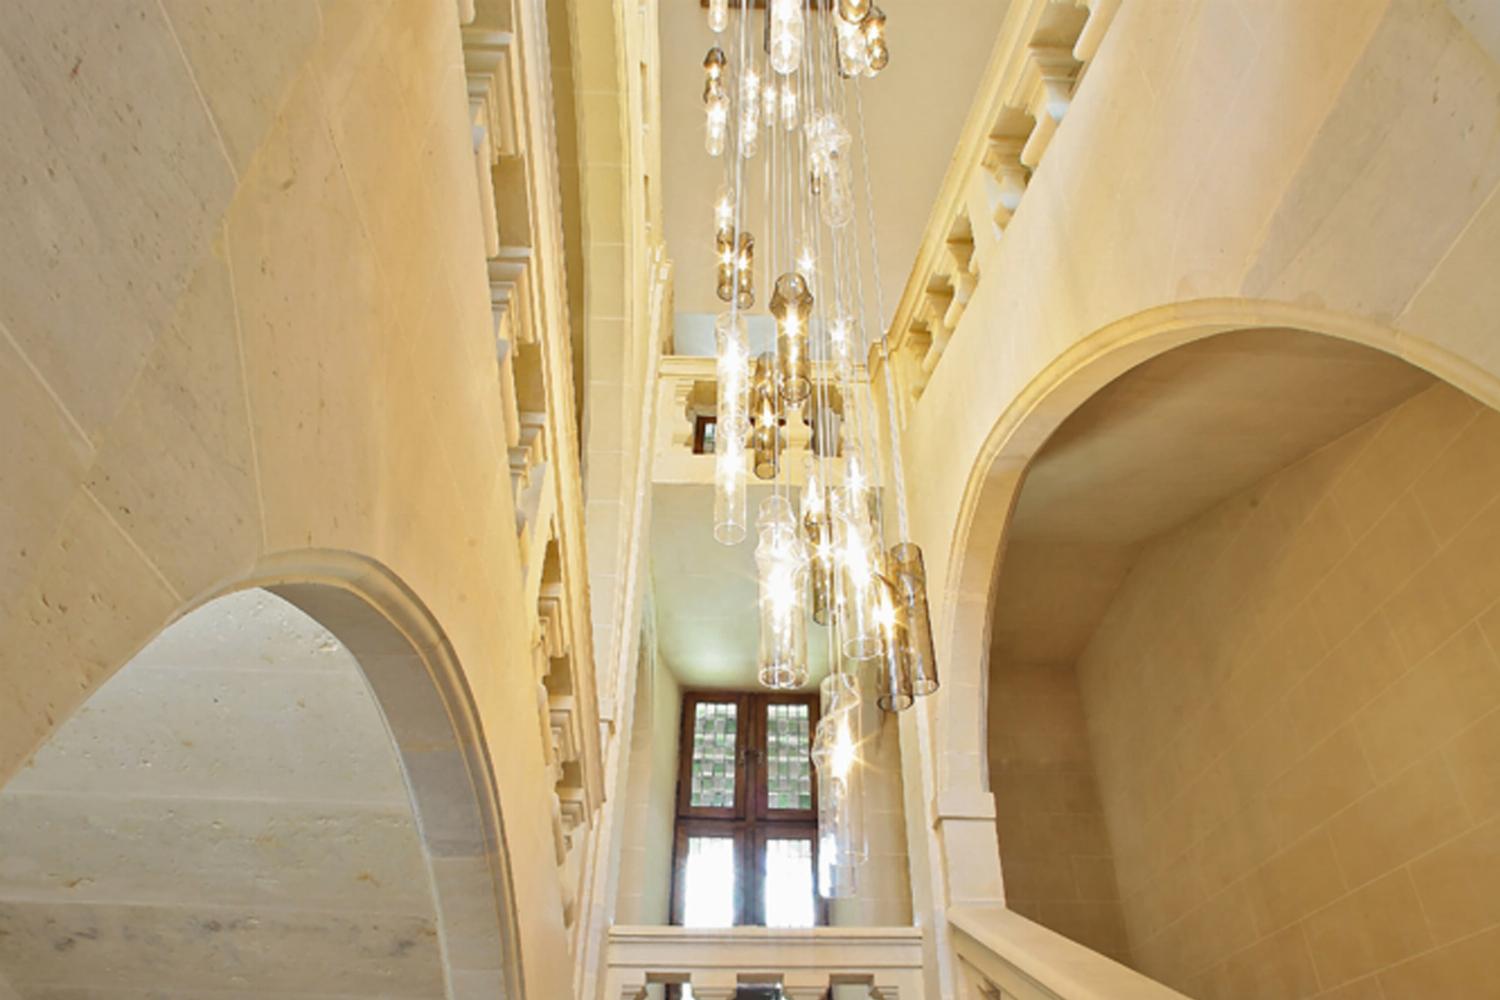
(784, 117)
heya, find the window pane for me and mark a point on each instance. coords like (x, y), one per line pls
(789, 883)
(714, 727)
(708, 880)
(788, 769)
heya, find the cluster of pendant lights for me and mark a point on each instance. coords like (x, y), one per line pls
(780, 96)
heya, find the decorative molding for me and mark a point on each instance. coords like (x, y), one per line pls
(1026, 92)
(490, 74)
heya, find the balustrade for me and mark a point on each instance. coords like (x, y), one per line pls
(876, 962)
(1044, 50)
(1003, 956)
(688, 391)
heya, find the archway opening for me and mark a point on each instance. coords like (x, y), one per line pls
(1243, 695)
(255, 805)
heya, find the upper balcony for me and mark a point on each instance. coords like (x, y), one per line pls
(687, 407)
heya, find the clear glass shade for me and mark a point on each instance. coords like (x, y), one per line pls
(718, 15)
(733, 375)
(857, 553)
(781, 562)
(841, 808)
(786, 33)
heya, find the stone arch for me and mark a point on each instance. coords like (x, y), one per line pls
(418, 684)
(1020, 430)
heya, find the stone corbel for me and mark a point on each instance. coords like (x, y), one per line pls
(488, 68)
(510, 290)
(527, 458)
(1008, 177)
(1047, 92)
(563, 715)
(912, 370)
(553, 618)
(575, 812)
(936, 309)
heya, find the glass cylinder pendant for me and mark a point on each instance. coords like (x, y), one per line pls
(786, 35)
(765, 402)
(842, 847)
(828, 154)
(781, 562)
(857, 552)
(715, 101)
(744, 272)
(853, 11)
(877, 54)
(731, 430)
(728, 263)
(853, 52)
(897, 692)
(908, 579)
(817, 532)
(750, 99)
(791, 305)
(718, 15)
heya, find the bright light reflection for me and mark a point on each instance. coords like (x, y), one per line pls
(789, 883)
(708, 883)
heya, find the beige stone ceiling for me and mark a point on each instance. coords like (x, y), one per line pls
(913, 112)
(226, 817)
(1160, 444)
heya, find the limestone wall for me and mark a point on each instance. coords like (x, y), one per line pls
(244, 312)
(1054, 849)
(1294, 709)
(650, 808)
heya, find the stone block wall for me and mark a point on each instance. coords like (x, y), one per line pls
(1294, 710)
(1054, 851)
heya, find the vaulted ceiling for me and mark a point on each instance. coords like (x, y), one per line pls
(1160, 444)
(226, 816)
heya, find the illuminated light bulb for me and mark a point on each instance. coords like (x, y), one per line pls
(807, 261)
(718, 15)
(766, 438)
(855, 516)
(770, 102)
(791, 305)
(853, 11)
(786, 35)
(780, 560)
(724, 215)
(873, 30)
(744, 272)
(717, 127)
(724, 250)
(788, 105)
(749, 112)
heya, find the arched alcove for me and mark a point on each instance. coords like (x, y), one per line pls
(1243, 690)
(284, 794)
